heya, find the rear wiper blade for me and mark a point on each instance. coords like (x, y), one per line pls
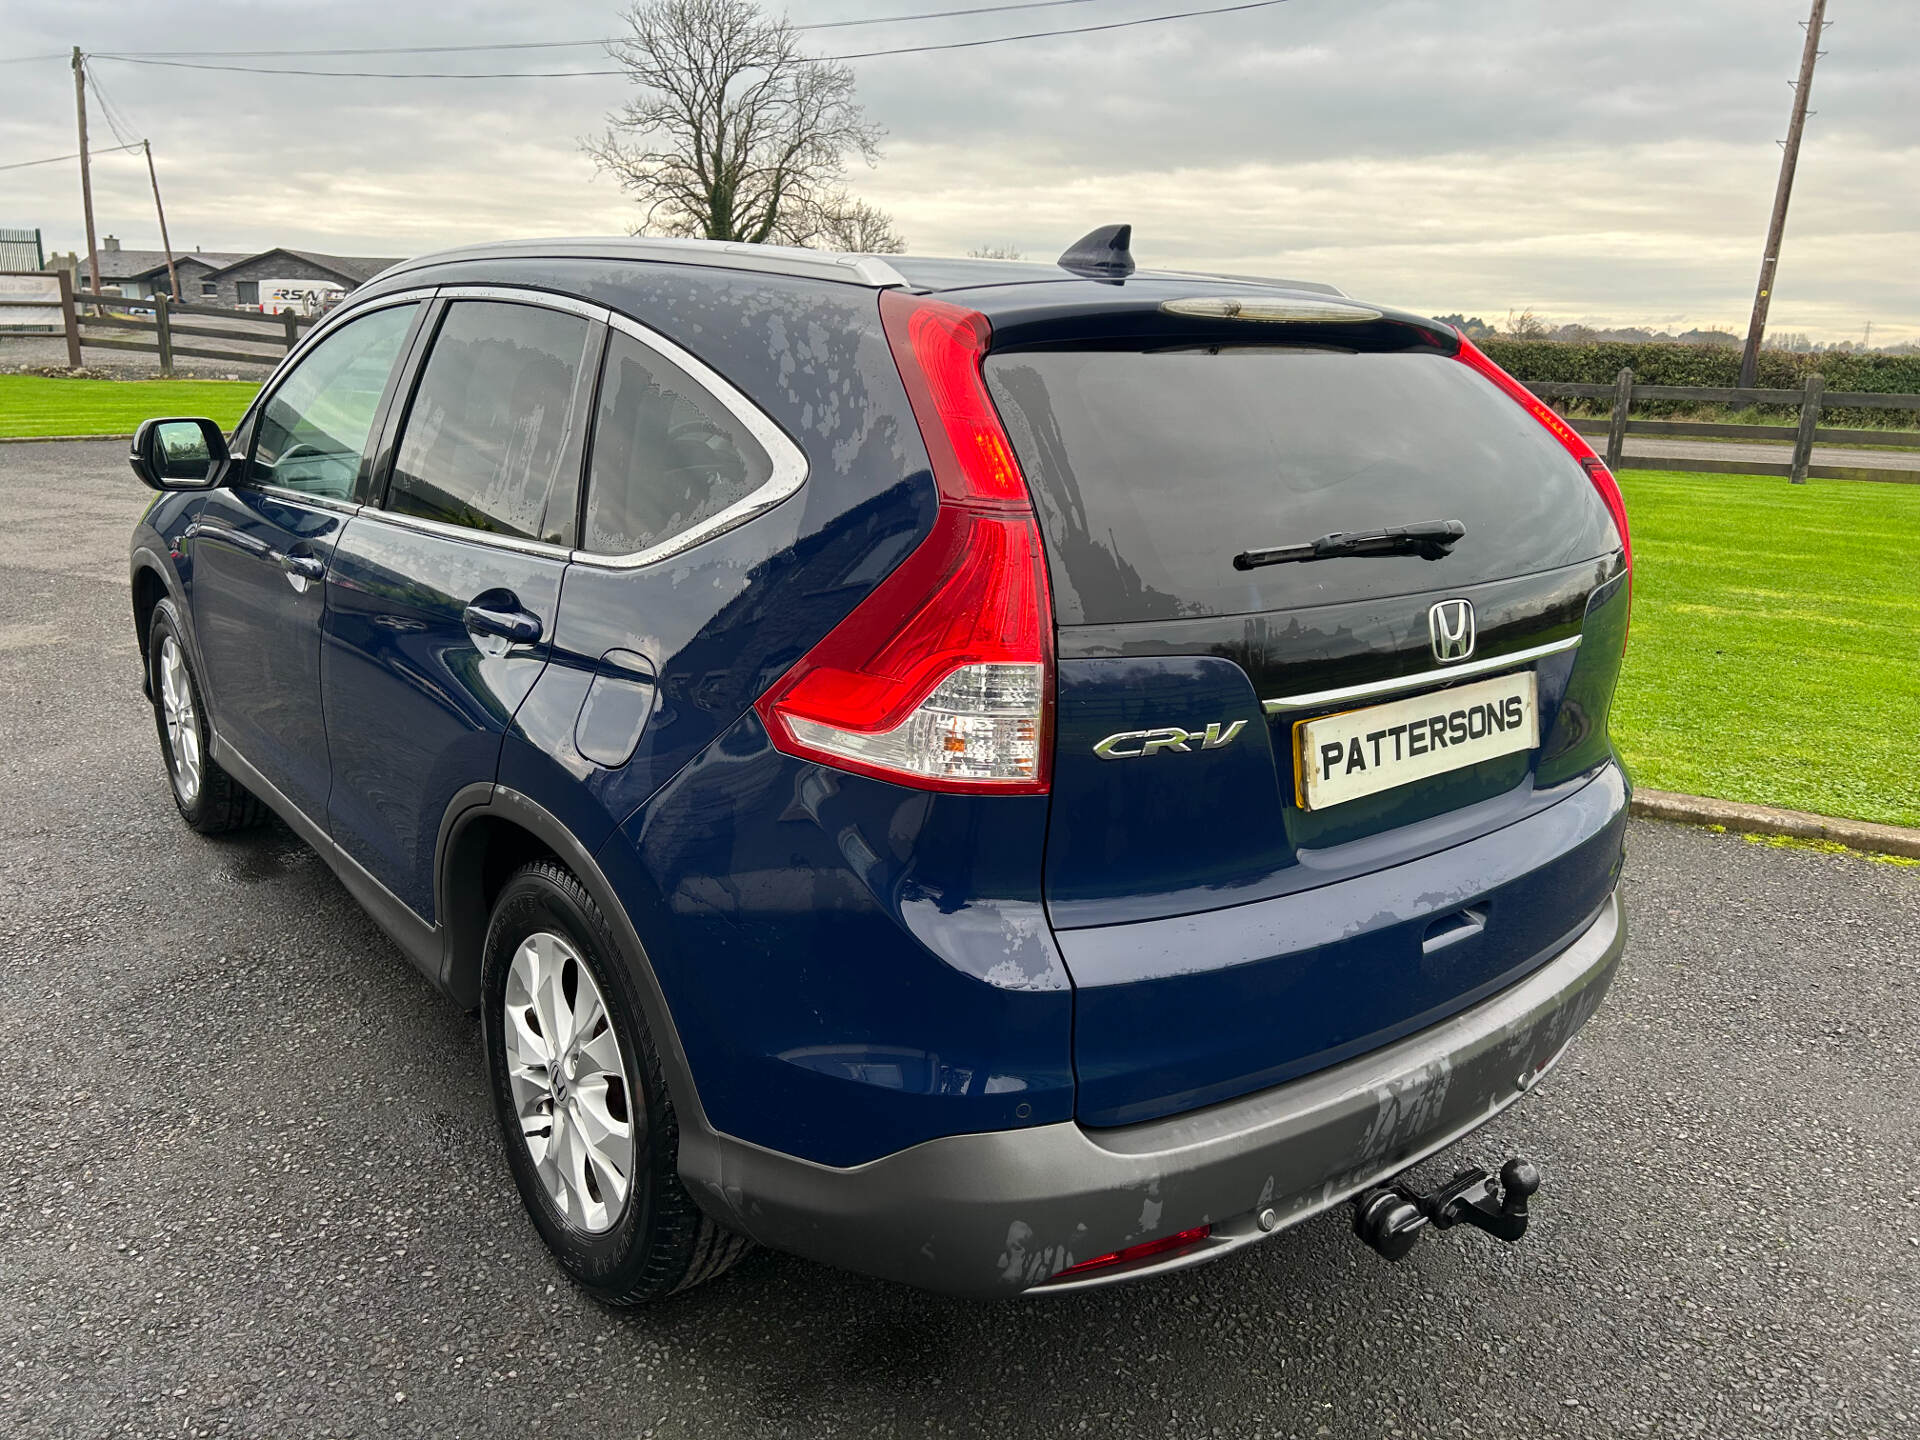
(1429, 539)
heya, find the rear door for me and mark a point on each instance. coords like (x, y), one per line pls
(1234, 734)
(442, 600)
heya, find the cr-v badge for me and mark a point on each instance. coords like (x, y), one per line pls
(1132, 744)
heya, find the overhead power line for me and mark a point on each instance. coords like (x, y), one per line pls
(546, 44)
(56, 159)
(123, 129)
(573, 74)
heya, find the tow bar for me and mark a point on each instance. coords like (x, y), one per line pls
(1390, 1217)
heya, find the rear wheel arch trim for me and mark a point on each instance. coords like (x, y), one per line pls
(464, 945)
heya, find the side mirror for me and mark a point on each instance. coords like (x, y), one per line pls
(179, 454)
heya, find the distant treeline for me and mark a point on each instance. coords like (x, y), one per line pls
(1528, 326)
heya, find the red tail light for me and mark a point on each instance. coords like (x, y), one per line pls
(942, 678)
(1165, 1245)
(1577, 447)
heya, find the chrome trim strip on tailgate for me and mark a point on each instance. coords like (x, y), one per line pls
(1416, 682)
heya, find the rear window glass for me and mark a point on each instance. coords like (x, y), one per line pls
(1152, 470)
(666, 453)
(494, 435)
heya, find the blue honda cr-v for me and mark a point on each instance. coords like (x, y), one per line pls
(991, 775)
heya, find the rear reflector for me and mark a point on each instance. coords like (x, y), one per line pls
(1165, 1245)
(942, 677)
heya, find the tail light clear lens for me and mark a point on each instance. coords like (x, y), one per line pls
(942, 678)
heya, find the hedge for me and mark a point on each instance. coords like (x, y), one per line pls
(1716, 365)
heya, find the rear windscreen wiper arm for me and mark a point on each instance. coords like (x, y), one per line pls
(1429, 539)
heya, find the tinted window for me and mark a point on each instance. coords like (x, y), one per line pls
(492, 440)
(666, 453)
(1151, 471)
(314, 427)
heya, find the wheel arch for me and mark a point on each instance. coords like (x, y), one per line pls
(149, 584)
(488, 833)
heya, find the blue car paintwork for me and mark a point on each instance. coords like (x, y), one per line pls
(415, 707)
(717, 625)
(853, 967)
(259, 637)
(1177, 1013)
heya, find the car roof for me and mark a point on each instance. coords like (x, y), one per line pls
(879, 272)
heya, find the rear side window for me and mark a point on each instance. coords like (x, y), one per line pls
(1152, 470)
(493, 438)
(314, 427)
(666, 453)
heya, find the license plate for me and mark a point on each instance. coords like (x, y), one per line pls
(1342, 757)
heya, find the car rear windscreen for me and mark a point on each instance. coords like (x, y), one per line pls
(1152, 469)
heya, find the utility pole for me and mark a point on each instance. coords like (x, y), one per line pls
(1776, 227)
(173, 281)
(86, 174)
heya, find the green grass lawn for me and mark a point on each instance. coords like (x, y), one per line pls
(37, 405)
(1775, 651)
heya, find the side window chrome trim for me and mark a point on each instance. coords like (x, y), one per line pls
(326, 327)
(789, 464)
(324, 502)
(520, 295)
(465, 532)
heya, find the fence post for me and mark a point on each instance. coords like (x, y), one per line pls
(1617, 430)
(1809, 418)
(163, 332)
(288, 319)
(69, 319)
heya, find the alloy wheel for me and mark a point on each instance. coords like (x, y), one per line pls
(176, 710)
(569, 1080)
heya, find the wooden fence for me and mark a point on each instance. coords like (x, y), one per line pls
(1813, 398)
(159, 328)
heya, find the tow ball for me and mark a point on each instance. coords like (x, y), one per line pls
(1390, 1217)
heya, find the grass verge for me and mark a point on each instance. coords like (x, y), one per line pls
(33, 405)
(1775, 652)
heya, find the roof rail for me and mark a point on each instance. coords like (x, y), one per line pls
(871, 271)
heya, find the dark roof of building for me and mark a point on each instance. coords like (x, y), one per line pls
(140, 264)
(352, 269)
(136, 264)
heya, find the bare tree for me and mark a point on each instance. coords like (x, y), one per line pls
(1525, 326)
(845, 223)
(992, 251)
(736, 133)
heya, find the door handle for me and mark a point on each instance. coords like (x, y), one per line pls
(519, 626)
(307, 567)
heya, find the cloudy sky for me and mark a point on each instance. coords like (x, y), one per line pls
(1609, 164)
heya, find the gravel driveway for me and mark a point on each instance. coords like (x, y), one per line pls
(254, 1187)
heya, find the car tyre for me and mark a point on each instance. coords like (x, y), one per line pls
(572, 1065)
(209, 799)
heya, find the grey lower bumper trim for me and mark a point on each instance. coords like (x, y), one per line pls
(995, 1214)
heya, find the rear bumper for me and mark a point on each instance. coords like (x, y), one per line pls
(995, 1214)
